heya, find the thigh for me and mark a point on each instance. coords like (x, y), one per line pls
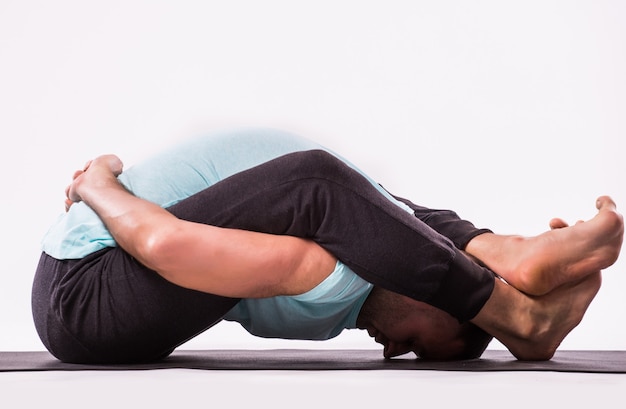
(108, 308)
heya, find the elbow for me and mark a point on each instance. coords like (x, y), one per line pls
(312, 264)
(155, 249)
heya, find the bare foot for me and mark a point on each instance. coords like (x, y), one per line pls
(537, 265)
(533, 327)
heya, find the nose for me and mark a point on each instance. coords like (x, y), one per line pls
(393, 349)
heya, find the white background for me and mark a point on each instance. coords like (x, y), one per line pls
(509, 113)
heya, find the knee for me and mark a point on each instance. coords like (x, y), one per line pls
(315, 158)
(321, 164)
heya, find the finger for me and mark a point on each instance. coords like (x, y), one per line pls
(69, 195)
(68, 199)
(77, 174)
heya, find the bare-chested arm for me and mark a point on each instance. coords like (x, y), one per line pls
(227, 262)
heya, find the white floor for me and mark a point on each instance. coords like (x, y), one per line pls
(178, 388)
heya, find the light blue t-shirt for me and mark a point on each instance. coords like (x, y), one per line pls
(319, 314)
(192, 166)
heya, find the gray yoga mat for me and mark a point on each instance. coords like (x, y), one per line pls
(336, 359)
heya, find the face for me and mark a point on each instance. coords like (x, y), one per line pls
(396, 339)
(428, 332)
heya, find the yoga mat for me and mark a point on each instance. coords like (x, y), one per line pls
(336, 359)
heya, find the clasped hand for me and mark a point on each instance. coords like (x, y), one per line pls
(96, 172)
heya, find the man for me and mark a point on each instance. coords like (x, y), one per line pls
(95, 301)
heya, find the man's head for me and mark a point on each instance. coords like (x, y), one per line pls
(404, 325)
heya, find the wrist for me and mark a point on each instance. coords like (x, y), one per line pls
(94, 183)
